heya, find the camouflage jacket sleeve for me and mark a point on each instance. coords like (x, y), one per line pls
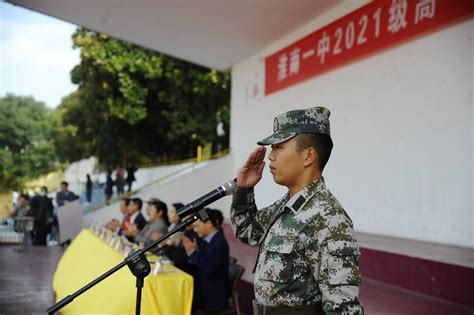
(249, 223)
(339, 276)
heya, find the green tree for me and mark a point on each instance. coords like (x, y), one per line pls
(133, 103)
(26, 150)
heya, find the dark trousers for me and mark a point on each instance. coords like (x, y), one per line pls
(39, 235)
(89, 194)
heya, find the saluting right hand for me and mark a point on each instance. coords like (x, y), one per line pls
(251, 172)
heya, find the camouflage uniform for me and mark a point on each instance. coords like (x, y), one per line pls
(308, 253)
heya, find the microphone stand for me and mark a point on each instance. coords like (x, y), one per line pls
(136, 262)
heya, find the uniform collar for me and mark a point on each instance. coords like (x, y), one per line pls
(301, 197)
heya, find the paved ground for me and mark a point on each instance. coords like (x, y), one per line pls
(26, 275)
(383, 299)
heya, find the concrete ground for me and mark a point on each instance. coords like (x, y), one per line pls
(26, 276)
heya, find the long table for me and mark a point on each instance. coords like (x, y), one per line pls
(88, 256)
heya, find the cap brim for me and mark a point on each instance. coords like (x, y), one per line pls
(277, 138)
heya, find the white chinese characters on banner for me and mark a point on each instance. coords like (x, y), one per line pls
(323, 47)
(357, 32)
(309, 53)
(378, 25)
(398, 13)
(282, 67)
(294, 61)
(424, 9)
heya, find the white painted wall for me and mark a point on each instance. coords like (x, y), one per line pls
(198, 181)
(402, 124)
(76, 173)
(185, 185)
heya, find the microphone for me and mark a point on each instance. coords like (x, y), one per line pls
(227, 188)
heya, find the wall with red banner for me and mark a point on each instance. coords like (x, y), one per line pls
(400, 92)
(374, 27)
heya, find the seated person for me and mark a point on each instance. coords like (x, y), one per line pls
(174, 249)
(114, 225)
(174, 219)
(211, 259)
(137, 220)
(158, 224)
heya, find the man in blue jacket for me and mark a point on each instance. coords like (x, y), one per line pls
(211, 258)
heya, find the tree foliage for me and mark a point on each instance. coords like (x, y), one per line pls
(26, 150)
(136, 104)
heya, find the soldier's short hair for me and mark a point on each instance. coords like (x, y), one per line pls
(321, 142)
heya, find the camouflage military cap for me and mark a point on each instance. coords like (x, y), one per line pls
(289, 124)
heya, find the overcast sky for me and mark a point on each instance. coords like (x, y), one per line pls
(36, 55)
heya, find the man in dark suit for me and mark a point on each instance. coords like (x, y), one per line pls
(211, 259)
(42, 211)
(137, 220)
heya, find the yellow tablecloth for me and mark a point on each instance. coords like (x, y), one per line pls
(88, 257)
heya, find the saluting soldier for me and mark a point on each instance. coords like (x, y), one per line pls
(308, 260)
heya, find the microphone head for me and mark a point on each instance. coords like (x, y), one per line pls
(229, 187)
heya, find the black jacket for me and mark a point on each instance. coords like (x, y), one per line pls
(140, 221)
(212, 262)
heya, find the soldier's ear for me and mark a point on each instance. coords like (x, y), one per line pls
(311, 156)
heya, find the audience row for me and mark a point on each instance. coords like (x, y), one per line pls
(200, 250)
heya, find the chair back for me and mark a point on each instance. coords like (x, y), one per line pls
(235, 274)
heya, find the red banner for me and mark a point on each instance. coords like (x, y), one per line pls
(373, 27)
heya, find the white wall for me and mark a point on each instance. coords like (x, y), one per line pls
(402, 124)
(193, 184)
(76, 173)
(184, 186)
